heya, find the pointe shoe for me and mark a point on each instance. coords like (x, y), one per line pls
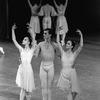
(1, 49)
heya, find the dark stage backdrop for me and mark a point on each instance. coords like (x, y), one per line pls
(81, 14)
(3, 19)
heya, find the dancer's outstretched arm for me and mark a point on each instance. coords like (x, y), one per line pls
(14, 38)
(53, 13)
(81, 44)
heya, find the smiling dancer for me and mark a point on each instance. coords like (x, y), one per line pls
(68, 78)
(63, 25)
(25, 76)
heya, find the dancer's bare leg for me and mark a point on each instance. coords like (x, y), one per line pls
(46, 23)
(22, 94)
(28, 96)
(43, 78)
(63, 39)
(50, 82)
(69, 96)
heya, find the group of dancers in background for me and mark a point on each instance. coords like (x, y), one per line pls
(46, 49)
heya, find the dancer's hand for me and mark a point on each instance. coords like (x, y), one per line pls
(79, 31)
(14, 27)
(28, 25)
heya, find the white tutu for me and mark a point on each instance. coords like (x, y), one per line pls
(25, 76)
(35, 24)
(63, 24)
(68, 81)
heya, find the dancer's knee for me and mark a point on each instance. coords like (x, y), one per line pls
(44, 86)
(49, 86)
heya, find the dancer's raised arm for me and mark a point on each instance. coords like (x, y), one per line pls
(66, 3)
(34, 8)
(32, 34)
(53, 12)
(14, 38)
(81, 43)
(30, 5)
(58, 42)
(56, 4)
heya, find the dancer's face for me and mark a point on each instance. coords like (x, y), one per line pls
(26, 41)
(46, 34)
(69, 45)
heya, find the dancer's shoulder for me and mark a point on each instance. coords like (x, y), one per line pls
(40, 43)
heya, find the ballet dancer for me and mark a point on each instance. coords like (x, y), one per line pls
(68, 80)
(61, 19)
(47, 50)
(47, 11)
(34, 21)
(25, 76)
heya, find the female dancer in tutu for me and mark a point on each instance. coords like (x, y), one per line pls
(62, 20)
(68, 77)
(34, 21)
(25, 76)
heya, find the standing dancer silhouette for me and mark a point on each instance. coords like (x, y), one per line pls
(62, 20)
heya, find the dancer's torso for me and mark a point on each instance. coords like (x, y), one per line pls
(67, 60)
(26, 56)
(47, 52)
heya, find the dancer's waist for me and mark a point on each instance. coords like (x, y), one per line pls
(47, 63)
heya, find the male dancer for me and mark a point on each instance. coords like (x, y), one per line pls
(47, 11)
(47, 51)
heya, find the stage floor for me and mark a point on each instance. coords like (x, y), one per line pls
(87, 66)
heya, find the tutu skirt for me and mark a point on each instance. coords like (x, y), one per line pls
(63, 24)
(68, 81)
(35, 24)
(25, 78)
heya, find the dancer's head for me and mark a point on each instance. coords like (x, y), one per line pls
(47, 33)
(70, 44)
(26, 41)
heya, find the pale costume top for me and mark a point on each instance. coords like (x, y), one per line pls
(47, 11)
(62, 22)
(25, 76)
(68, 78)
